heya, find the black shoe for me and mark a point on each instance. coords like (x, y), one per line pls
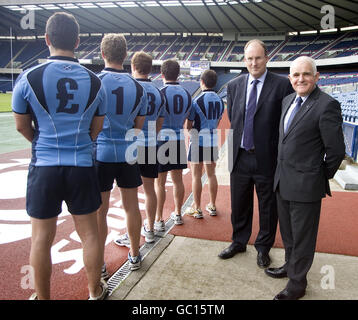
(288, 295)
(230, 251)
(263, 259)
(276, 272)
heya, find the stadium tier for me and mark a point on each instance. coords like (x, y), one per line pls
(349, 105)
(26, 53)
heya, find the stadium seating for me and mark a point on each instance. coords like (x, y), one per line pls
(26, 53)
(5, 53)
(192, 48)
(349, 105)
(5, 84)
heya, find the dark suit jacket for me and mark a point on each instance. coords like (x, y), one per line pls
(311, 150)
(266, 120)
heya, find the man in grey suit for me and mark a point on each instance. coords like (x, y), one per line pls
(254, 108)
(311, 148)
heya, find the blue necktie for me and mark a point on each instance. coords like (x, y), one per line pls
(293, 113)
(248, 141)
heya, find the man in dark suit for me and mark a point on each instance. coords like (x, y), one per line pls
(254, 109)
(311, 148)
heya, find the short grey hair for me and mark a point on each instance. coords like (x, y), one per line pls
(308, 59)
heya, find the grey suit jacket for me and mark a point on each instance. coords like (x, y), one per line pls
(311, 150)
(266, 119)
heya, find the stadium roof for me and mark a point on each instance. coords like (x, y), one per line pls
(241, 17)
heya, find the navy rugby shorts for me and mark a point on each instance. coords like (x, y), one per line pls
(48, 187)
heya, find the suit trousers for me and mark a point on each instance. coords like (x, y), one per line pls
(299, 227)
(243, 179)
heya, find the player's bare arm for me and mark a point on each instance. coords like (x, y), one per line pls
(23, 123)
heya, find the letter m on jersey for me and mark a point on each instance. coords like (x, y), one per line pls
(214, 110)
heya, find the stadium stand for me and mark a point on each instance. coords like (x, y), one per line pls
(27, 53)
(192, 48)
(5, 84)
(5, 53)
(349, 105)
(348, 46)
(342, 84)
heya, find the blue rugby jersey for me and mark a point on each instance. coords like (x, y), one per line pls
(177, 108)
(126, 100)
(206, 112)
(156, 109)
(63, 97)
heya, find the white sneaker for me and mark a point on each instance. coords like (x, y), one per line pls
(123, 240)
(134, 262)
(196, 213)
(159, 226)
(176, 218)
(211, 209)
(147, 234)
(189, 211)
(104, 293)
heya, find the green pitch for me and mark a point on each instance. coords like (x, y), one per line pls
(10, 139)
(5, 102)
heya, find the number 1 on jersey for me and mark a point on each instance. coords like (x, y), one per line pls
(119, 99)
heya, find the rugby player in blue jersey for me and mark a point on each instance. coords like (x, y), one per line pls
(59, 106)
(141, 64)
(126, 110)
(202, 123)
(171, 141)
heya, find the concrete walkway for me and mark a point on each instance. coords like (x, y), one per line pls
(182, 268)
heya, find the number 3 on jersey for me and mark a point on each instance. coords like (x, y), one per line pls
(63, 96)
(151, 103)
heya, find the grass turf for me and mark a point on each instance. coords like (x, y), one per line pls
(5, 102)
